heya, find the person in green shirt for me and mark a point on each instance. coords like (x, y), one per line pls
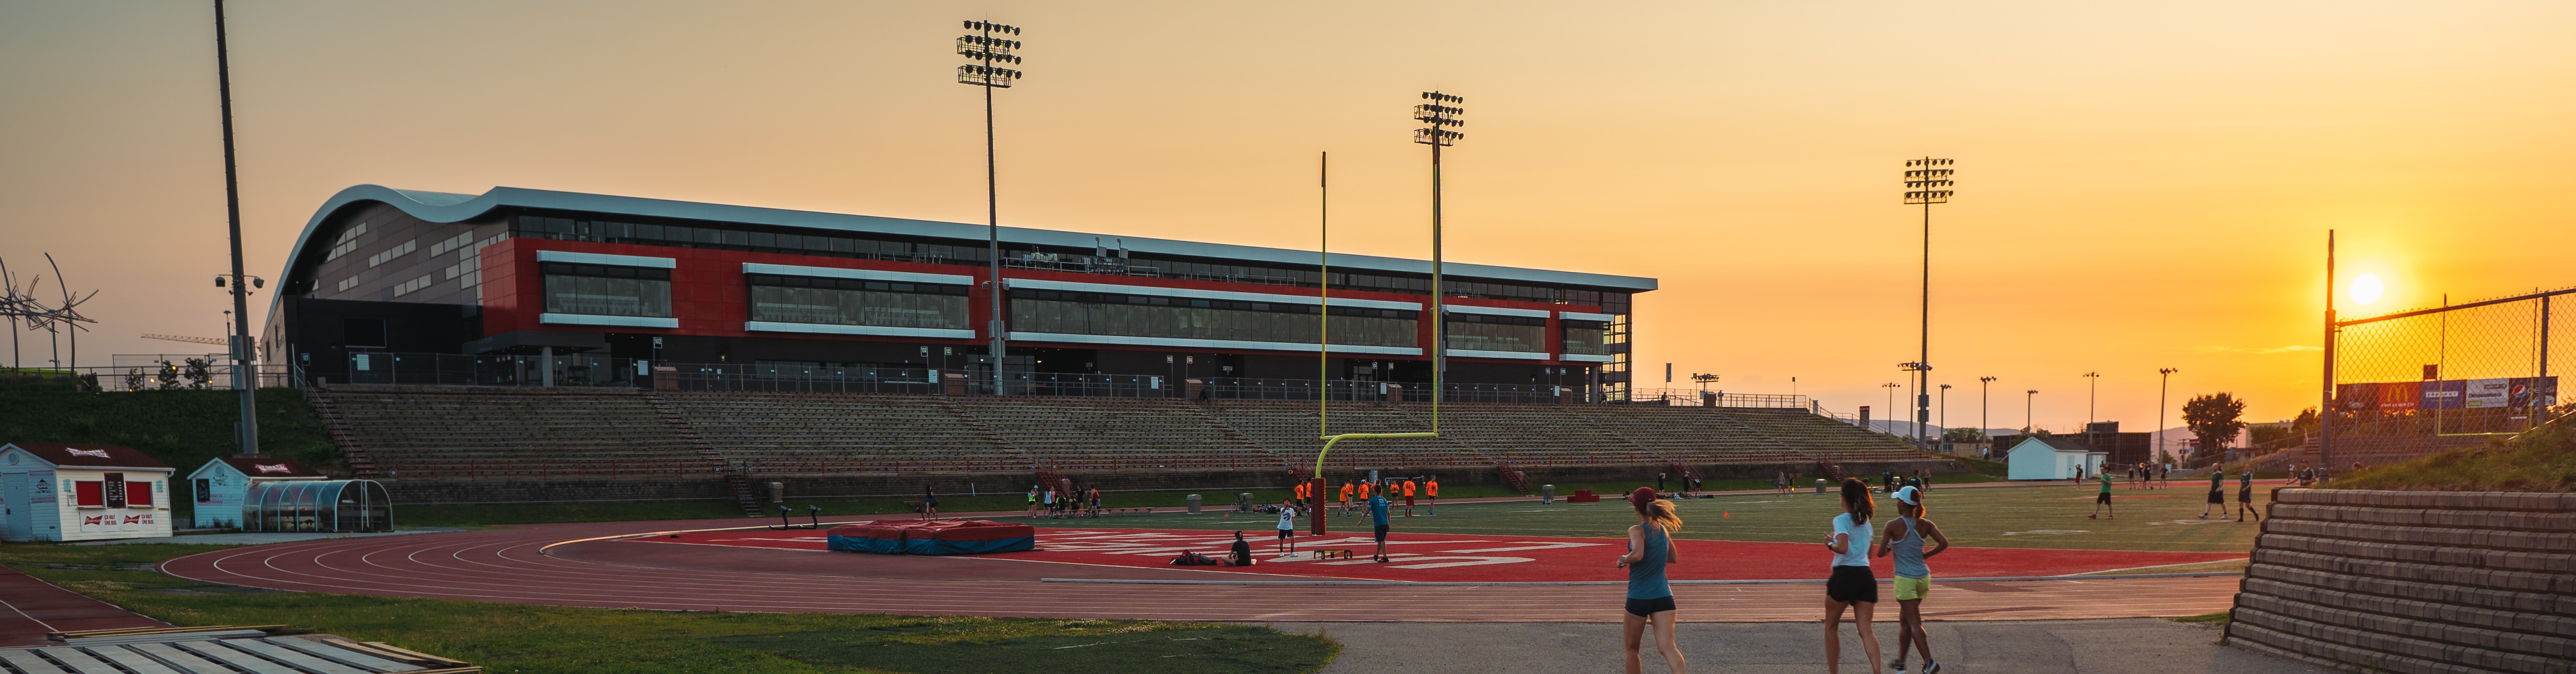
(2217, 494)
(2102, 501)
(2245, 498)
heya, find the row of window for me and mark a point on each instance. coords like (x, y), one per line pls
(705, 235)
(603, 290)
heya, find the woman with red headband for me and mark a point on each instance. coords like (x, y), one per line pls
(1650, 594)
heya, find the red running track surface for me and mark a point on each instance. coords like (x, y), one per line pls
(582, 564)
(1493, 559)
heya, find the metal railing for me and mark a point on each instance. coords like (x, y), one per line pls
(180, 376)
(801, 379)
(443, 369)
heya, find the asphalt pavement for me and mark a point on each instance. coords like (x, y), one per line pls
(2116, 646)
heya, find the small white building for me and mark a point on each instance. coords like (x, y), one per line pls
(56, 492)
(2053, 458)
(219, 487)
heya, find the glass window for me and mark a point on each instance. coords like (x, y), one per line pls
(1497, 333)
(607, 291)
(1586, 337)
(835, 301)
(1191, 318)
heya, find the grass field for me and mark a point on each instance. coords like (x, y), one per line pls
(2008, 517)
(567, 640)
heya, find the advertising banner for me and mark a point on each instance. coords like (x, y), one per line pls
(2488, 393)
(2447, 394)
(2399, 397)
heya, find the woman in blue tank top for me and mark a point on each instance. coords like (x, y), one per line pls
(1650, 594)
(1904, 540)
(1851, 583)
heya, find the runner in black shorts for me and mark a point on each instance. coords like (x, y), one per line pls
(2245, 509)
(1851, 584)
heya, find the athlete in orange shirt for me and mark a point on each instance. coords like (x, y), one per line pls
(1346, 497)
(1409, 491)
(1432, 489)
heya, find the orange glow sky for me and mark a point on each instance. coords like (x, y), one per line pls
(2141, 184)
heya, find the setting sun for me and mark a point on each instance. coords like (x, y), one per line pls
(2366, 289)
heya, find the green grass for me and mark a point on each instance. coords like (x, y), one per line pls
(568, 640)
(2543, 460)
(2219, 619)
(184, 428)
(2010, 517)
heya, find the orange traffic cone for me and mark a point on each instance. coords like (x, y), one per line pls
(1725, 514)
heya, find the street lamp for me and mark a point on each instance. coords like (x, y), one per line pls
(1437, 115)
(2092, 392)
(1891, 404)
(2026, 402)
(1920, 374)
(1927, 182)
(986, 50)
(1984, 404)
(1945, 412)
(1704, 380)
(2164, 382)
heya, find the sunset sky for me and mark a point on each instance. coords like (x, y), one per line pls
(2140, 184)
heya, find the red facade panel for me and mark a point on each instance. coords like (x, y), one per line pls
(711, 297)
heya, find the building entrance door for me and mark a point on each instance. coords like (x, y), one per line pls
(17, 492)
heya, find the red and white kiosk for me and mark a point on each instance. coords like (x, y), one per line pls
(56, 492)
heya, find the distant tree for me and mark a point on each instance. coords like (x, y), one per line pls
(1964, 435)
(2215, 419)
(134, 379)
(169, 376)
(200, 373)
(2306, 422)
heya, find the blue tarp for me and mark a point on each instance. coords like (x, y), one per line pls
(923, 546)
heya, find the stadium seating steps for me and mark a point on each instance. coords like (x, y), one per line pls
(431, 432)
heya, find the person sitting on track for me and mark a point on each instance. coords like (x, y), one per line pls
(1242, 555)
(1851, 584)
(1904, 539)
(1650, 592)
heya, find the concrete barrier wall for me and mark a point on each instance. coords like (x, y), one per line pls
(2414, 582)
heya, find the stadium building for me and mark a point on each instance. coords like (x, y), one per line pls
(379, 272)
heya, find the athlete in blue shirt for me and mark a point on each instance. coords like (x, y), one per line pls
(1377, 514)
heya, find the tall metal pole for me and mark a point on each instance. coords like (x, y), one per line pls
(2092, 396)
(1439, 308)
(2326, 410)
(245, 376)
(993, 233)
(1324, 295)
(1923, 375)
(2164, 387)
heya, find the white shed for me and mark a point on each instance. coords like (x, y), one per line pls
(82, 492)
(2053, 458)
(220, 485)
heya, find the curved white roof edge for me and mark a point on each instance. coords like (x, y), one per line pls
(446, 207)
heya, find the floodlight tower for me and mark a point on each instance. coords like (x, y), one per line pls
(1437, 113)
(1891, 405)
(1927, 182)
(1919, 375)
(986, 50)
(245, 374)
(2027, 401)
(2164, 384)
(1985, 404)
(2092, 394)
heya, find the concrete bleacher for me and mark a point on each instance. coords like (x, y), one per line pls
(831, 433)
(427, 432)
(1827, 439)
(1697, 433)
(1533, 435)
(505, 433)
(1068, 433)
(1287, 428)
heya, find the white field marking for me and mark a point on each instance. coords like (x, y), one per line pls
(2152, 524)
(1540, 546)
(2047, 532)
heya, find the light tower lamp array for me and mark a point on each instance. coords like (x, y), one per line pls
(986, 49)
(1927, 182)
(1439, 112)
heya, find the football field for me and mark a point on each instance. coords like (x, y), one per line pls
(2053, 516)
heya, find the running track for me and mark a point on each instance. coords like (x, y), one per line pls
(559, 564)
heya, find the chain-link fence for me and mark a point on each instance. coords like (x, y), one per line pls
(2412, 382)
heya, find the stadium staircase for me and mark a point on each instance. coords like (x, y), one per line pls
(1515, 478)
(352, 454)
(737, 480)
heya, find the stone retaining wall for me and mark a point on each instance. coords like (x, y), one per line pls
(2414, 582)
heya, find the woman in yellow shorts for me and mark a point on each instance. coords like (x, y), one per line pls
(1904, 539)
